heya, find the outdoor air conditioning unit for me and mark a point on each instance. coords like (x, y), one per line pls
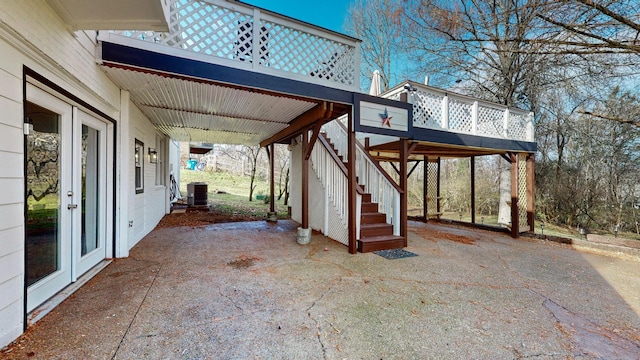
(197, 194)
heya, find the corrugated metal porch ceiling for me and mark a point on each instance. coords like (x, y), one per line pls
(193, 110)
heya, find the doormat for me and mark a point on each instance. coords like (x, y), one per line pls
(395, 254)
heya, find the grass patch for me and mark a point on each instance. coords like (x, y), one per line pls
(228, 194)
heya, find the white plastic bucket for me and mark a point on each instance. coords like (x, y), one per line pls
(304, 236)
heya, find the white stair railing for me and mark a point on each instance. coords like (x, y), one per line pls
(338, 134)
(332, 174)
(383, 191)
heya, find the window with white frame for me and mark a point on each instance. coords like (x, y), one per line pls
(139, 166)
(160, 166)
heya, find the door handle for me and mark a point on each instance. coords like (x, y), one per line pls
(72, 206)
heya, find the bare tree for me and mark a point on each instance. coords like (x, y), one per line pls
(593, 27)
(376, 24)
(607, 34)
(474, 44)
(282, 154)
(251, 153)
(243, 153)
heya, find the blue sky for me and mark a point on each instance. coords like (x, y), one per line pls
(329, 14)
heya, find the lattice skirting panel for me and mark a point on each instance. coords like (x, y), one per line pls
(522, 193)
(337, 230)
(432, 187)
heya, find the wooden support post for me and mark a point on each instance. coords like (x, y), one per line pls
(531, 191)
(404, 154)
(425, 187)
(351, 184)
(272, 157)
(438, 189)
(515, 226)
(305, 181)
(472, 163)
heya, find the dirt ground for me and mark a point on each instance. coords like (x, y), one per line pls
(206, 216)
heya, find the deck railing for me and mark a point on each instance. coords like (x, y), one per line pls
(383, 191)
(437, 109)
(242, 36)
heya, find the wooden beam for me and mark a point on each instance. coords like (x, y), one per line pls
(531, 192)
(404, 154)
(314, 138)
(351, 185)
(425, 186)
(298, 124)
(393, 165)
(271, 152)
(305, 182)
(438, 189)
(432, 152)
(412, 148)
(413, 168)
(515, 226)
(472, 163)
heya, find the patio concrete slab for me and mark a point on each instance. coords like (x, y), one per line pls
(249, 291)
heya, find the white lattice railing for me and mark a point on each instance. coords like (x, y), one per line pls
(436, 109)
(242, 36)
(374, 181)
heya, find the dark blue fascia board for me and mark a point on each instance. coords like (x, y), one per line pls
(451, 138)
(135, 57)
(357, 98)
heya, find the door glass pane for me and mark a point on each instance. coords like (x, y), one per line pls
(42, 193)
(90, 162)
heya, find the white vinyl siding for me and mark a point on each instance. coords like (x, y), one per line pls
(32, 35)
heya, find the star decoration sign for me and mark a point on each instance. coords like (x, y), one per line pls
(386, 119)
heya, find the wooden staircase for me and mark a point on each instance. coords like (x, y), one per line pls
(375, 233)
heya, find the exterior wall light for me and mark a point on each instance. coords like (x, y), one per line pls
(153, 156)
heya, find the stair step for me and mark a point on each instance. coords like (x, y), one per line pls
(367, 230)
(375, 243)
(373, 218)
(368, 207)
(366, 198)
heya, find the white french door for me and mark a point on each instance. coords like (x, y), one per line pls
(65, 196)
(89, 219)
